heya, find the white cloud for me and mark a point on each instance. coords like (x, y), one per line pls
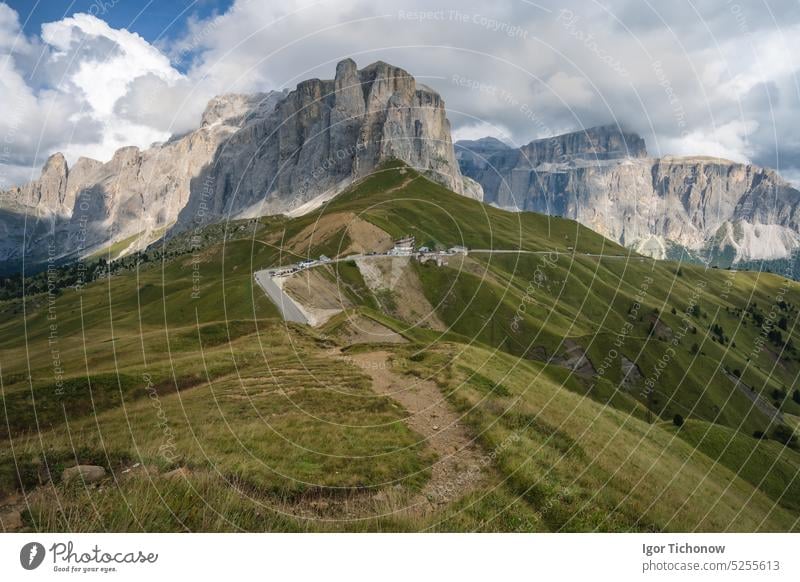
(729, 141)
(9, 28)
(33, 122)
(569, 89)
(102, 65)
(697, 79)
(59, 92)
(481, 129)
(104, 77)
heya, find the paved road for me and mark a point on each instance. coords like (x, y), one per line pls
(290, 311)
(523, 252)
(286, 305)
(320, 263)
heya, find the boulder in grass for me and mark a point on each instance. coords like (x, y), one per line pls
(177, 474)
(10, 521)
(87, 473)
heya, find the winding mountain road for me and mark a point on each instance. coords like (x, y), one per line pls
(523, 252)
(290, 311)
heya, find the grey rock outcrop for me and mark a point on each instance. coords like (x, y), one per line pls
(233, 109)
(603, 178)
(74, 212)
(321, 137)
(266, 153)
(51, 189)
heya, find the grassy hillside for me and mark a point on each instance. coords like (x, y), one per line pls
(599, 389)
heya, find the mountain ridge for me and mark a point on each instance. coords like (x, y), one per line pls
(604, 178)
(266, 153)
(287, 152)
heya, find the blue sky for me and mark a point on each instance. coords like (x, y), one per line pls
(156, 21)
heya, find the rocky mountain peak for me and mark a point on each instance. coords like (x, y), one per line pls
(485, 143)
(323, 135)
(284, 151)
(348, 92)
(473, 155)
(126, 156)
(56, 165)
(233, 108)
(346, 69)
(86, 163)
(603, 178)
(381, 81)
(224, 107)
(604, 142)
(49, 191)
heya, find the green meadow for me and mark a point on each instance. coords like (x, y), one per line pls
(605, 391)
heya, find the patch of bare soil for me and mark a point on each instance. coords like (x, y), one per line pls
(363, 236)
(316, 293)
(457, 470)
(363, 330)
(316, 288)
(399, 291)
(575, 359)
(318, 232)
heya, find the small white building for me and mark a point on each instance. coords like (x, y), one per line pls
(458, 250)
(403, 247)
(438, 258)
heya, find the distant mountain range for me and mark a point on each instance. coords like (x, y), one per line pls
(714, 209)
(291, 151)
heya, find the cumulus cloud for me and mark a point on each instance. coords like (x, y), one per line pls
(689, 78)
(158, 103)
(100, 64)
(33, 122)
(481, 129)
(692, 78)
(106, 59)
(729, 141)
(58, 91)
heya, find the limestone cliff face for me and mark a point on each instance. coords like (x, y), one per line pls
(265, 153)
(50, 191)
(321, 137)
(137, 193)
(604, 179)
